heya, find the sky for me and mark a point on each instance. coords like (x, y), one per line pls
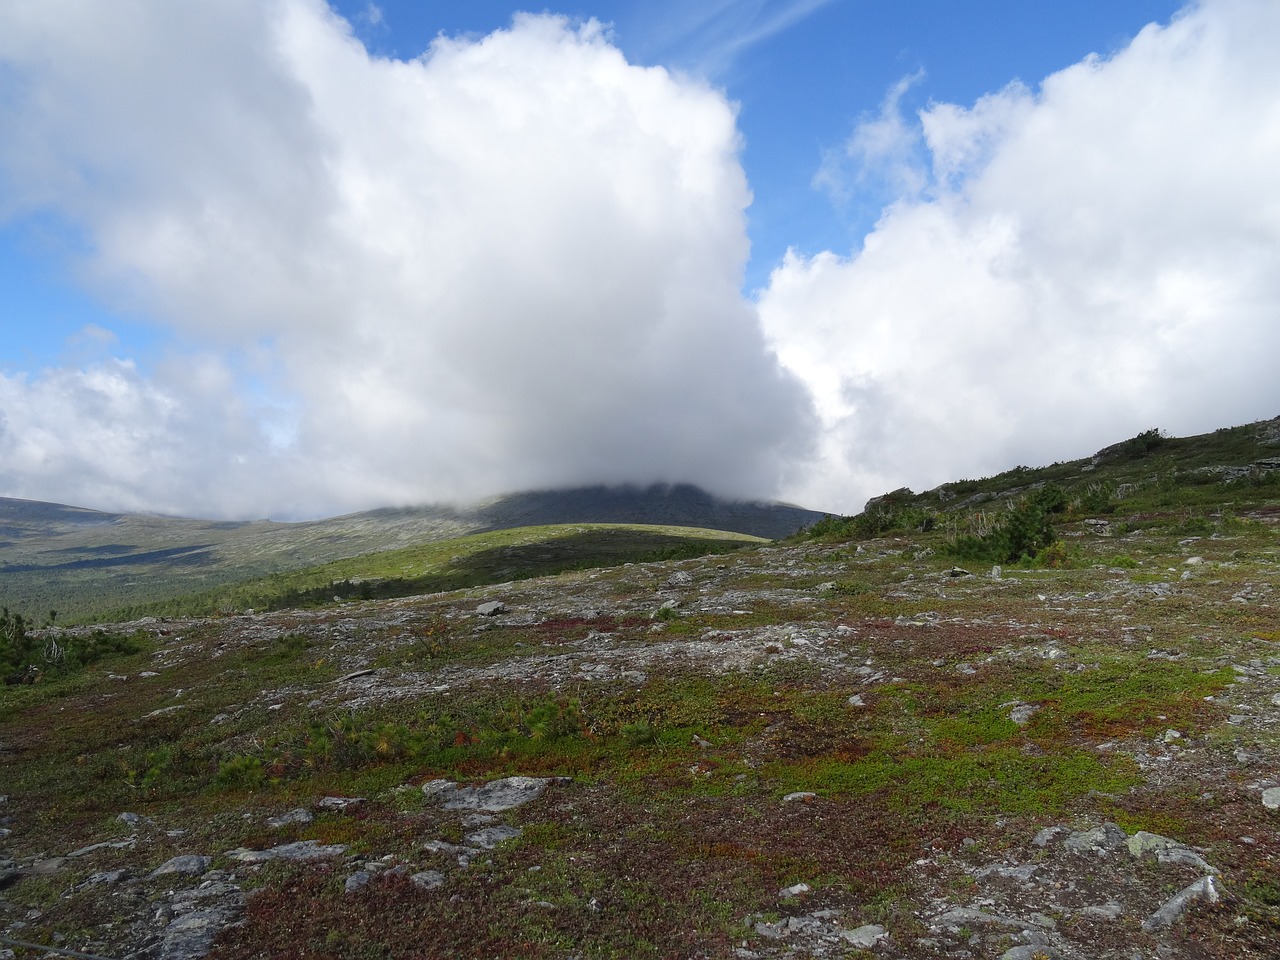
(290, 259)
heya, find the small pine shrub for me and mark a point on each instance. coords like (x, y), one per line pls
(1018, 535)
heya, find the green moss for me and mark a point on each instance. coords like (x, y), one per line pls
(1001, 779)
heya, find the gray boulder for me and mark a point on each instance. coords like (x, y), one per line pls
(1099, 840)
(1203, 889)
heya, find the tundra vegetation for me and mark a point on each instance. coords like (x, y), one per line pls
(949, 726)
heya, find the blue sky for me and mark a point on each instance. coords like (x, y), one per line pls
(281, 257)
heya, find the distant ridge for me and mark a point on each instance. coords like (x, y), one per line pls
(678, 504)
(72, 559)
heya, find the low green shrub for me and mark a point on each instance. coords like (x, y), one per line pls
(28, 658)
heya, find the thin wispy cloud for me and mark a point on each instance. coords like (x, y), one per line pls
(708, 38)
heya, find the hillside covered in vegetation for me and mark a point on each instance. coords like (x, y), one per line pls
(1028, 716)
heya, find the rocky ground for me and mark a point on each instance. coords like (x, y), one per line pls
(801, 750)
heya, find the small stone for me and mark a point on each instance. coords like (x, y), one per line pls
(1022, 713)
(1271, 798)
(794, 890)
(338, 803)
(1104, 911)
(357, 881)
(491, 608)
(134, 820)
(428, 879)
(802, 795)
(856, 701)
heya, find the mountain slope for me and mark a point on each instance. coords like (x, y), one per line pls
(673, 505)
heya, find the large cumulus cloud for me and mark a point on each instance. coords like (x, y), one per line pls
(513, 262)
(1066, 266)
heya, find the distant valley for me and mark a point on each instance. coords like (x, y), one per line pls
(81, 562)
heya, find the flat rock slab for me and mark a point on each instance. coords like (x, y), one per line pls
(490, 837)
(191, 935)
(493, 797)
(105, 845)
(1031, 952)
(189, 864)
(968, 916)
(296, 817)
(302, 850)
(865, 937)
(104, 878)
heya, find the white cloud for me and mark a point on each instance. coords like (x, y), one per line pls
(514, 262)
(1089, 260)
(178, 441)
(882, 157)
